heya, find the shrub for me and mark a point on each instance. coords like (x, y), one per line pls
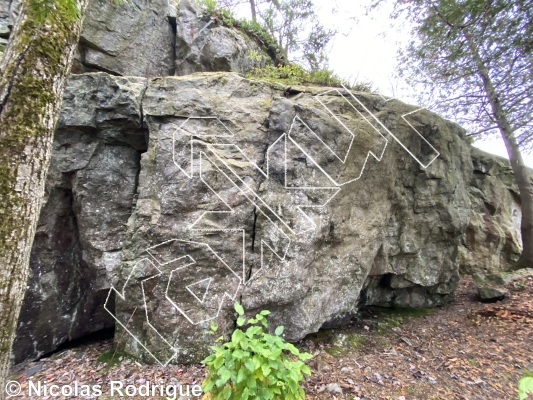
(255, 364)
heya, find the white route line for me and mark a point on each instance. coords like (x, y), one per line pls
(122, 295)
(253, 197)
(206, 246)
(393, 136)
(228, 295)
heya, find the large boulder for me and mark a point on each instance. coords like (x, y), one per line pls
(133, 37)
(305, 205)
(309, 202)
(160, 38)
(89, 197)
(492, 241)
(203, 44)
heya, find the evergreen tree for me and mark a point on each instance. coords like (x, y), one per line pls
(479, 54)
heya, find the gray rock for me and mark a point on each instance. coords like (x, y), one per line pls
(150, 39)
(203, 45)
(9, 10)
(90, 191)
(176, 249)
(334, 388)
(308, 266)
(492, 241)
(493, 287)
(491, 293)
(129, 38)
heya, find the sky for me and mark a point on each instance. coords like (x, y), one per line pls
(365, 48)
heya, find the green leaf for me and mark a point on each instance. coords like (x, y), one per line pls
(213, 326)
(305, 356)
(239, 309)
(242, 375)
(225, 374)
(226, 393)
(241, 321)
(279, 330)
(250, 365)
(251, 383)
(238, 354)
(208, 387)
(237, 336)
(292, 349)
(218, 362)
(525, 386)
(208, 359)
(265, 312)
(265, 369)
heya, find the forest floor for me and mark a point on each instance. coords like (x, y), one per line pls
(464, 350)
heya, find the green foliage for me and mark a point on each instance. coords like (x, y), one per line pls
(210, 5)
(289, 21)
(453, 42)
(295, 74)
(255, 364)
(525, 385)
(263, 38)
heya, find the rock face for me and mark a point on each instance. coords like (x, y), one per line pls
(160, 38)
(203, 45)
(129, 38)
(298, 205)
(8, 14)
(152, 38)
(89, 197)
(308, 202)
(492, 241)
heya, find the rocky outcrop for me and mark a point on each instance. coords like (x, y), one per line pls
(152, 38)
(89, 197)
(492, 241)
(160, 38)
(306, 206)
(9, 10)
(128, 38)
(308, 202)
(204, 45)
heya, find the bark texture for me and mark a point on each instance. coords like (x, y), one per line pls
(34, 71)
(520, 169)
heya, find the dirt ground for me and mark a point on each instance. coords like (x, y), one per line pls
(464, 350)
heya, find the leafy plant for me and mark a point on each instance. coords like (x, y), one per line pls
(525, 385)
(255, 364)
(210, 5)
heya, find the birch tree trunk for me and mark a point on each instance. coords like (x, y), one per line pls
(33, 75)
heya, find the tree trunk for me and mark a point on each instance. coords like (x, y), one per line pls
(520, 170)
(34, 71)
(254, 12)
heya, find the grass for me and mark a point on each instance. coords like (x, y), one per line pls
(111, 357)
(338, 343)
